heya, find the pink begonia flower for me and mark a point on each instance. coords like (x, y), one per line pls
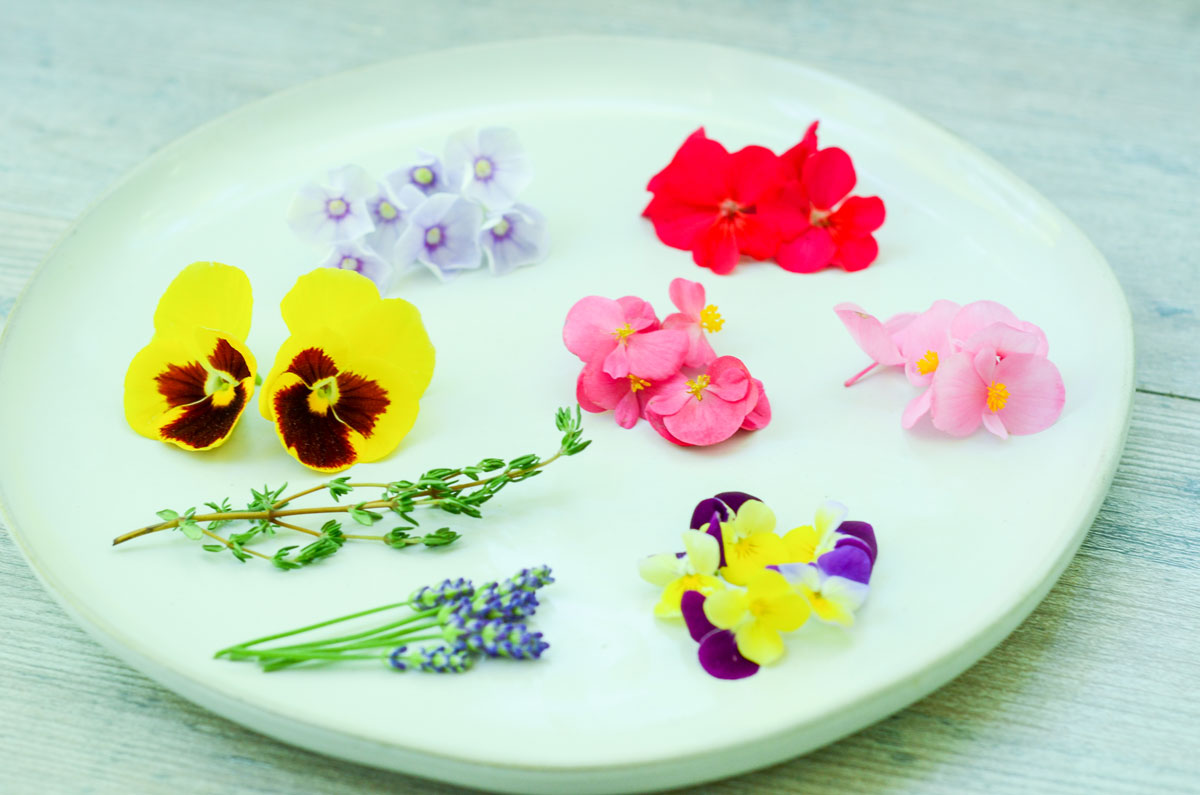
(1021, 394)
(625, 336)
(695, 316)
(840, 228)
(923, 344)
(759, 416)
(708, 409)
(877, 340)
(596, 391)
(979, 315)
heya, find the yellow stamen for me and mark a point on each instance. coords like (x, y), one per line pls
(387, 210)
(997, 397)
(433, 236)
(423, 175)
(927, 363)
(637, 384)
(698, 386)
(710, 319)
(501, 228)
(337, 208)
(623, 332)
(483, 168)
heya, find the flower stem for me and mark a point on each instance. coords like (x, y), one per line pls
(852, 380)
(311, 627)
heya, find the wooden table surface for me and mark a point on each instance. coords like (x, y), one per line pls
(1096, 104)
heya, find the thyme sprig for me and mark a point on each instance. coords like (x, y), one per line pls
(458, 491)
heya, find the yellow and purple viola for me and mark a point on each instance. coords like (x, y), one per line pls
(190, 385)
(346, 384)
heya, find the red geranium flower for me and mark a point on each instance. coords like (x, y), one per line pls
(720, 205)
(836, 234)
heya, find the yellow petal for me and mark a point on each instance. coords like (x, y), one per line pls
(328, 297)
(669, 606)
(753, 517)
(206, 295)
(800, 544)
(758, 642)
(726, 608)
(746, 557)
(827, 610)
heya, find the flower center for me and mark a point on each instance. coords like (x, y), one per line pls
(351, 264)
(433, 236)
(927, 363)
(483, 168)
(759, 607)
(322, 395)
(637, 384)
(710, 319)
(820, 218)
(387, 211)
(730, 208)
(219, 386)
(997, 397)
(337, 208)
(501, 228)
(698, 386)
(623, 332)
(422, 175)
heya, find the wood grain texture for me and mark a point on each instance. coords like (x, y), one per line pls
(1097, 104)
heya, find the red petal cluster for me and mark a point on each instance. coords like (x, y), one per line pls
(794, 208)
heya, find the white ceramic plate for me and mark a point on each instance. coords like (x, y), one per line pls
(972, 533)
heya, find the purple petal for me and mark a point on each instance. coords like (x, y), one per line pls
(692, 606)
(735, 499)
(704, 511)
(720, 657)
(514, 238)
(862, 531)
(714, 530)
(849, 562)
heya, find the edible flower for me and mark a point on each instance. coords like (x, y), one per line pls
(335, 212)
(596, 391)
(697, 318)
(708, 408)
(514, 238)
(749, 542)
(490, 167)
(442, 235)
(1021, 394)
(624, 336)
(835, 586)
(352, 255)
(758, 615)
(345, 385)
(718, 653)
(695, 570)
(190, 385)
(425, 174)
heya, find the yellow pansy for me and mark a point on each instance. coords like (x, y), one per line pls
(190, 385)
(750, 543)
(807, 543)
(758, 615)
(345, 385)
(694, 571)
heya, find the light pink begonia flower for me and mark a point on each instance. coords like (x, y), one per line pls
(1021, 394)
(624, 336)
(708, 409)
(696, 317)
(877, 340)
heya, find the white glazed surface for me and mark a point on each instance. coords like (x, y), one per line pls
(972, 532)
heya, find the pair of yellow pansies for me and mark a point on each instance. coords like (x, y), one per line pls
(344, 387)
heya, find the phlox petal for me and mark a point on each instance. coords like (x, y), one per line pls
(514, 238)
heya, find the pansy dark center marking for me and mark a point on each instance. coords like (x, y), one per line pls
(316, 416)
(212, 396)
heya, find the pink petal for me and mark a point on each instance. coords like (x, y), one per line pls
(869, 334)
(856, 254)
(716, 248)
(654, 354)
(628, 410)
(688, 297)
(828, 177)
(1005, 340)
(994, 424)
(707, 421)
(1036, 393)
(760, 416)
(897, 323)
(978, 315)
(959, 396)
(929, 331)
(638, 313)
(669, 398)
(581, 397)
(657, 423)
(601, 389)
(917, 408)
(588, 331)
(753, 171)
(729, 380)
(700, 353)
(807, 253)
(678, 223)
(859, 216)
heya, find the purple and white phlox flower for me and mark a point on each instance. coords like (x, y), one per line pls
(336, 212)
(426, 174)
(352, 255)
(489, 167)
(514, 238)
(442, 235)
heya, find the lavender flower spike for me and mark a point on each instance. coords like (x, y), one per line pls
(352, 255)
(426, 175)
(442, 235)
(490, 168)
(514, 238)
(336, 212)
